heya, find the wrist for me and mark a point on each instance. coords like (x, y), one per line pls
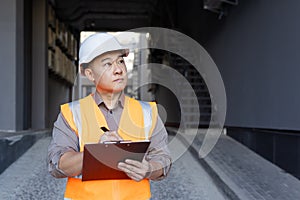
(149, 172)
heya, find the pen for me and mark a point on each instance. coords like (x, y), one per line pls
(103, 128)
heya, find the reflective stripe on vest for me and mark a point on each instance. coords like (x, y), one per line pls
(75, 109)
(147, 118)
(84, 117)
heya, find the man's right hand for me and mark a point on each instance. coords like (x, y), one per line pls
(109, 136)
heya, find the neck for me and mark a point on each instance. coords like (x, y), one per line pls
(110, 99)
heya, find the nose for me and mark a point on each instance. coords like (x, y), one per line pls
(118, 68)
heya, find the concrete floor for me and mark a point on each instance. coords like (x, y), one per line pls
(28, 178)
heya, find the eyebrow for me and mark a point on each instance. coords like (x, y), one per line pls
(103, 60)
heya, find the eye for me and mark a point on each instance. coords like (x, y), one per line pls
(106, 65)
(121, 61)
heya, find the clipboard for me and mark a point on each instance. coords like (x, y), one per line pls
(100, 160)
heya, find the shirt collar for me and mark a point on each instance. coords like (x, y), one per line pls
(98, 99)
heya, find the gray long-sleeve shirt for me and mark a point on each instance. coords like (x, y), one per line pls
(64, 139)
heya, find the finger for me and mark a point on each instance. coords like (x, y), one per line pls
(142, 166)
(128, 168)
(113, 137)
(134, 163)
(135, 177)
(103, 138)
(117, 135)
(130, 172)
(138, 170)
(113, 134)
(109, 136)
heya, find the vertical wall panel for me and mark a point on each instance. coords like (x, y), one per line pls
(20, 66)
(8, 56)
(39, 64)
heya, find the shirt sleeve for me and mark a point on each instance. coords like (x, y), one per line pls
(158, 150)
(64, 139)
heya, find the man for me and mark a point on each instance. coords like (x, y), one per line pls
(101, 61)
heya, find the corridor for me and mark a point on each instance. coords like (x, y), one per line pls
(28, 178)
(229, 171)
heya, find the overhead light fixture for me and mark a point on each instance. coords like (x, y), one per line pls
(219, 6)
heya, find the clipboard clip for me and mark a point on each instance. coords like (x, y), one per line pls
(116, 141)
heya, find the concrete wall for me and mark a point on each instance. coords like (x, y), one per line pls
(59, 93)
(8, 57)
(257, 51)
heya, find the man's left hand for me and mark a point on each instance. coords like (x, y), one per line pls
(136, 170)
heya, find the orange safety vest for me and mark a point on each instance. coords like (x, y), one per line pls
(137, 122)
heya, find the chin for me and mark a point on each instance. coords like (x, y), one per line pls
(117, 90)
(114, 90)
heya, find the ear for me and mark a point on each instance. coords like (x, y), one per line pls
(89, 74)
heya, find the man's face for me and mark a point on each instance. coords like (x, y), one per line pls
(108, 72)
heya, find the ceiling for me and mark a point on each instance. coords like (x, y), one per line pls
(106, 15)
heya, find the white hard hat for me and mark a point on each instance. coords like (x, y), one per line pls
(98, 44)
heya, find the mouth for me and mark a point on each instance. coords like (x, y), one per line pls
(118, 80)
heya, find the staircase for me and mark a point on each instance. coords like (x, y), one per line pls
(189, 110)
(190, 106)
